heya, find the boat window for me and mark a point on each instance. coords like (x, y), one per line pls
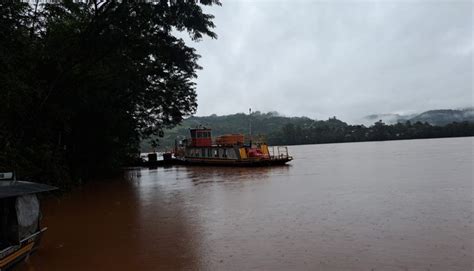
(216, 153)
(203, 152)
(224, 154)
(209, 152)
(8, 223)
(231, 154)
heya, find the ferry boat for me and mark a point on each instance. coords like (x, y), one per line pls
(228, 150)
(20, 215)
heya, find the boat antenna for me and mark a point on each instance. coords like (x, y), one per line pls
(250, 125)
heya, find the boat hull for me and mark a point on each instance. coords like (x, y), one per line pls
(14, 254)
(233, 163)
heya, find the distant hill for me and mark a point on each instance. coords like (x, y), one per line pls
(445, 116)
(279, 129)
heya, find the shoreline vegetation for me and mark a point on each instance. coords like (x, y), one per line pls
(280, 130)
(81, 82)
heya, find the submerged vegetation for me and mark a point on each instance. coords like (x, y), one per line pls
(280, 130)
(82, 82)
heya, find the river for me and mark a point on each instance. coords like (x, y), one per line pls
(395, 205)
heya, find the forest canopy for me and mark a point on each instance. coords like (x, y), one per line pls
(81, 83)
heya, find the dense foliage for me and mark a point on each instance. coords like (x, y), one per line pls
(279, 130)
(82, 82)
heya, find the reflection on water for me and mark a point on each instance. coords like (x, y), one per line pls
(202, 175)
(365, 206)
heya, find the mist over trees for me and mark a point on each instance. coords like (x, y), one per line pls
(81, 83)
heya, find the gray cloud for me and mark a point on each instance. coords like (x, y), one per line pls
(346, 59)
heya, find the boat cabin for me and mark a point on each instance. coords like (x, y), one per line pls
(20, 215)
(201, 137)
(201, 145)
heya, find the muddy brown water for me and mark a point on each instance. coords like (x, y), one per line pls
(398, 205)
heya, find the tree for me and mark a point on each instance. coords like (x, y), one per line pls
(83, 82)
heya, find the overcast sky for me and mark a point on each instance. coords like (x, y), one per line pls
(337, 58)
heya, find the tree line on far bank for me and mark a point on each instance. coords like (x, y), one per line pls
(335, 131)
(281, 130)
